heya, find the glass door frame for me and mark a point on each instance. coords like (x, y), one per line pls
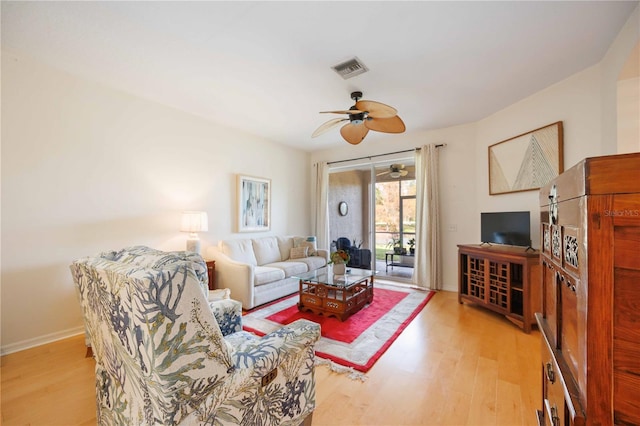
(375, 167)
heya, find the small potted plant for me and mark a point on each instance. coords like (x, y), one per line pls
(339, 260)
(412, 245)
(396, 244)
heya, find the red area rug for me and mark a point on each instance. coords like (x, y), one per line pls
(357, 342)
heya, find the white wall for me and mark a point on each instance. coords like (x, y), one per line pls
(86, 168)
(612, 64)
(628, 103)
(574, 101)
(583, 102)
(629, 115)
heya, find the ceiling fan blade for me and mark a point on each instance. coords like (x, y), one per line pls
(385, 125)
(376, 109)
(353, 133)
(343, 111)
(384, 173)
(403, 172)
(328, 126)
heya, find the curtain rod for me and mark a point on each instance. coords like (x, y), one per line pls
(381, 155)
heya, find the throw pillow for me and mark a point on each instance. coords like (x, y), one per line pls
(309, 242)
(298, 252)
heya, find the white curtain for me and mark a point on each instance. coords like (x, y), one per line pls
(427, 271)
(322, 206)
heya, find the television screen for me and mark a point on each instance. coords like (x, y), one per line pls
(511, 228)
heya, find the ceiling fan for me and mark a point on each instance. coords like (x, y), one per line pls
(395, 171)
(363, 116)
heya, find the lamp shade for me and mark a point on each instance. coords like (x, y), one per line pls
(194, 222)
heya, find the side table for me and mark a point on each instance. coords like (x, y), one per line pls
(390, 255)
(211, 271)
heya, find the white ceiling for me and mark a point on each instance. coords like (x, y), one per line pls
(264, 67)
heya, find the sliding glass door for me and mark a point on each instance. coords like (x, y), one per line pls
(380, 202)
(395, 223)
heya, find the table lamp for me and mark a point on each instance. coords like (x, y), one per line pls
(194, 222)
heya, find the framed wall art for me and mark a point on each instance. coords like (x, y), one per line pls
(526, 162)
(254, 204)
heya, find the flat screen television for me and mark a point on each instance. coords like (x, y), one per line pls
(510, 228)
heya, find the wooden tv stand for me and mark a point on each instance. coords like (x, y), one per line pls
(505, 279)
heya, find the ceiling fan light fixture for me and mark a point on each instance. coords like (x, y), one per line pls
(395, 175)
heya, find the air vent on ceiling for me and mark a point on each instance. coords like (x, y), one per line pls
(350, 68)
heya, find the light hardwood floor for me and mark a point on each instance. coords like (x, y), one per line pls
(453, 365)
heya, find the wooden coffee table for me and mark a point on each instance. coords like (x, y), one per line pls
(324, 293)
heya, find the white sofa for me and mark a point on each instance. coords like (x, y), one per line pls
(260, 270)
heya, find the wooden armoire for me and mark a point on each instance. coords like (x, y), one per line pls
(590, 319)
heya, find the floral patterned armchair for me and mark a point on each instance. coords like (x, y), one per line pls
(162, 357)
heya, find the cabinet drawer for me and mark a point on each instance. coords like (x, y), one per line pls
(335, 306)
(561, 401)
(568, 318)
(307, 299)
(552, 390)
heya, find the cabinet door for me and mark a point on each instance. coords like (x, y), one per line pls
(476, 277)
(549, 299)
(499, 274)
(568, 323)
(626, 316)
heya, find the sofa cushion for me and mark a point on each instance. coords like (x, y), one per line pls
(285, 244)
(267, 274)
(291, 267)
(239, 250)
(313, 262)
(266, 250)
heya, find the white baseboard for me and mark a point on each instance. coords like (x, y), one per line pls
(42, 340)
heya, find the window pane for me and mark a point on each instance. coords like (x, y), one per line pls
(408, 187)
(387, 207)
(408, 220)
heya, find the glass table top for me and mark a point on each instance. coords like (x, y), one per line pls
(326, 276)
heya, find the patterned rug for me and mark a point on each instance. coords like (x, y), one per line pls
(359, 341)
